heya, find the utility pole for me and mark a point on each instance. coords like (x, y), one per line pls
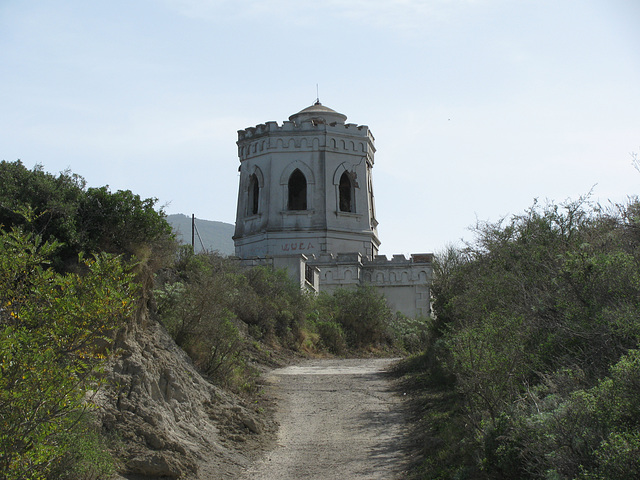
(193, 232)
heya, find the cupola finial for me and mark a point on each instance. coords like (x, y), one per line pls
(317, 96)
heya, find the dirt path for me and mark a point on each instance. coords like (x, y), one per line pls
(338, 419)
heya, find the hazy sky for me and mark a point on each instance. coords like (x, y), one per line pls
(477, 106)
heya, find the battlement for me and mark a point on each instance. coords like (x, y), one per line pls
(305, 140)
(376, 261)
(403, 281)
(401, 259)
(288, 127)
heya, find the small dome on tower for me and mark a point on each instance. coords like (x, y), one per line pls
(318, 113)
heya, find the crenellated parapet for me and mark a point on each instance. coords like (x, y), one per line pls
(287, 128)
(422, 258)
(306, 136)
(377, 260)
(379, 270)
(398, 270)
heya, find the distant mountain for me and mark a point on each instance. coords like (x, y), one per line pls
(215, 236)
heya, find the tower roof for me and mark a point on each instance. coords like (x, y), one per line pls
(318, 112)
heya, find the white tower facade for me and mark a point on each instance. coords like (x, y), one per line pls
(306, 187)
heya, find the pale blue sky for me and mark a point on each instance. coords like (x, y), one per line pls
(477, 106)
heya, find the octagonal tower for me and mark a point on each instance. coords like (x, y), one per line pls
(306, 187)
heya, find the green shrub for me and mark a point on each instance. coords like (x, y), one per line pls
(363, 314)
(332, 336)
(196, 312)
(84, 220)
(211, 304)
(601, 424)
(86, 456)
(278, 305)
(537, 321)
(410, 334)
(54, 333)
(119, 222)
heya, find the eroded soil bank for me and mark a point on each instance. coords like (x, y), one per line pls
(339, 419)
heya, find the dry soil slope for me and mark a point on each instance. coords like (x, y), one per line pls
(169, 421)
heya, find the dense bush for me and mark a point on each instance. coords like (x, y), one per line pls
(86, 456)
(273, 304)
(55, 200)
(362, 315)
(195, 301)
(213, 307)
(119, 222)
(54, 333)
(84, 220)
(538, 323)
(360, 319)
(331, 336)
(409, 334)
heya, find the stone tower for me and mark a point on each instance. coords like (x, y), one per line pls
(305, 204)
(306, 187)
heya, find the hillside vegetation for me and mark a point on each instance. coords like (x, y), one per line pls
(533, 368)
(85, 274)
(228, 317)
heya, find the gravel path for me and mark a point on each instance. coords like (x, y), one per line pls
(339, 419)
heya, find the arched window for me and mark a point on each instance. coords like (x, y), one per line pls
(297, 191)
(346, 193)
(254, 194)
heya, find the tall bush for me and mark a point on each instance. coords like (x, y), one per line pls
(195, 308)
(535, 321)
(361, 313)
(55, 331)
